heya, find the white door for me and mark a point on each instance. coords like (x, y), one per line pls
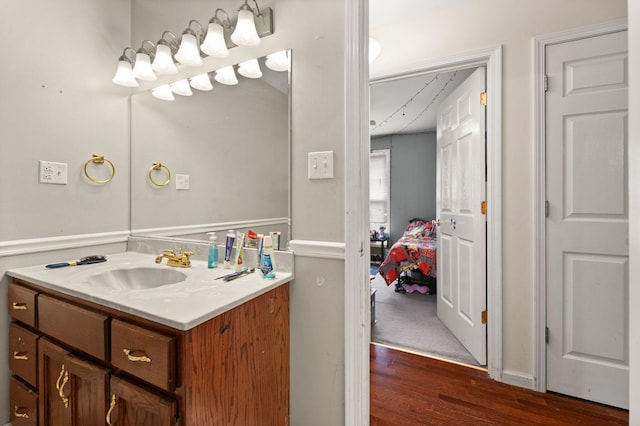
(460, 191)
(587, 251)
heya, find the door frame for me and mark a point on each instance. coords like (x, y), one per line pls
(491, 58)
(540, 296)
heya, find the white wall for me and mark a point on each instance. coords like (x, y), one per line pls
(58, 104)
(472, 25)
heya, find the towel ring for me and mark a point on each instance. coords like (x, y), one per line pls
(99, 159)
(158, 166)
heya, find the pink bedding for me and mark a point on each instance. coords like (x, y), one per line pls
(417, 249)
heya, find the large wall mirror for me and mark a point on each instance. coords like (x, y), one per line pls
(230, 145)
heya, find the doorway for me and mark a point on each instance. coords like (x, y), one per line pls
(491, 59)
(405, 116)
(581, 149)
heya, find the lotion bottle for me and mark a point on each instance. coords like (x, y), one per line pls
(266, 265)
(212, 259)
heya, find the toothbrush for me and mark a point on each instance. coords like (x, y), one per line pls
(82, 261)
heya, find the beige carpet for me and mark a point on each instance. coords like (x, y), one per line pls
(409, 321)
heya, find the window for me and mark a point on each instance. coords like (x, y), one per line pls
(379, 189)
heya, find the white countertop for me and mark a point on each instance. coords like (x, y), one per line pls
(183, 305)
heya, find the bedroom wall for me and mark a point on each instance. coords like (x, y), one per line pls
(413, 178)
(469, 26)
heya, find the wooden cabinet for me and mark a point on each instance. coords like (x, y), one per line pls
(80, 363)
(133, 405)
(73, 391)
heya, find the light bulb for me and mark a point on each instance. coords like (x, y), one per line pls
(250, 69)
(278, 61)
(214, 43)
(124, 75)
(188, 54)
(162, 92)
(142, 68)
(245, 33)
(181, 87)
(226, 76)
(163, 62)
(201, 82)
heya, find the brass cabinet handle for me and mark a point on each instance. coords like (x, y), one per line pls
(63, 379)
(21, 355)
(114, 402)
(133, 358)
(20, 412)
(19, 306)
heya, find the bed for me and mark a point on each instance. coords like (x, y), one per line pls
(415, 253)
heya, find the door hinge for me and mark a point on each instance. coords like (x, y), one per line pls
(546, 82)
(483, 207)
(546, 208)
(484, 317)
(546, 335)
(483, 98)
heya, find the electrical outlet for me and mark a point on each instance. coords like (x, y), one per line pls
(182, 181)
(321, 165)
(51, 172)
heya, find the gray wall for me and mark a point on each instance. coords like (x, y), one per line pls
(413, 178)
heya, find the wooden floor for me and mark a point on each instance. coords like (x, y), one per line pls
(409, 389)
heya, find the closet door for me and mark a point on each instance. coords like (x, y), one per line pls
(587, 248)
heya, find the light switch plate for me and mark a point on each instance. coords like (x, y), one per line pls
(182, 181)
(321, 165)
(52, 172)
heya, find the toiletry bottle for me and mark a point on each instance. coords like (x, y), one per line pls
(212, 260)
(266, 266)
(228, 248)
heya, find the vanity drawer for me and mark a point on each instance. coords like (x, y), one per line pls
(23, 357)
(23, 404)
(75, 326)
(143, 353)
(22, 304)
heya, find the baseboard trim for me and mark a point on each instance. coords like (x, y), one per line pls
(518, 379)
(38, 245)
(319, 249)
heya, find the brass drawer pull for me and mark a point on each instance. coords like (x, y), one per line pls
(134, 358)
(19, 306)
(21, 355)
(20, 412)
(64, 377)
(114, 402)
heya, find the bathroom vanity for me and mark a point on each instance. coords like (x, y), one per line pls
(200, 351)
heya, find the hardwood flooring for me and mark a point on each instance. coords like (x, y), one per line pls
(409, 389)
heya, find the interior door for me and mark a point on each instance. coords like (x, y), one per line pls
(460, 191)
(587, 253)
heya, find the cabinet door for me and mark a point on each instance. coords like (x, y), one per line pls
(132, 405)
(73, 391)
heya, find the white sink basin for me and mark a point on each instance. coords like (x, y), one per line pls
(136, 278)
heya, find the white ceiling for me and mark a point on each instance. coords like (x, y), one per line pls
(408, 105)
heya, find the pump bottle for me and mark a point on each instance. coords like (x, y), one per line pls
(212, 259)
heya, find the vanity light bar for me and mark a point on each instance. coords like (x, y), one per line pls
(188, 49)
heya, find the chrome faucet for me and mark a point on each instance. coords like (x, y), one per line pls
(180, 260)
